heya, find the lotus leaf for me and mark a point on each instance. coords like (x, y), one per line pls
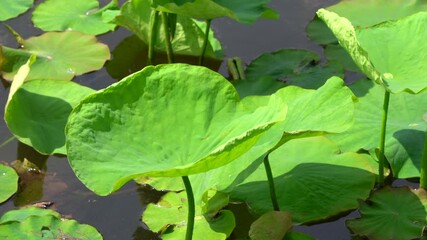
(327, 109)
(392, 213)
(314, 180)
(77, 15)
(335, 53)
(38, 111)
(405, 127)
(245, 11)
(163, 121)
(271, 71)
(60, 56)
(21, 214)
(8, 182)
(47, 227)
(271, 225)
(297, 236)
(12, 8)
(189, 33)
(388, 53)
(169, 216)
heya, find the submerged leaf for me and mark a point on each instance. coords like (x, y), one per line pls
(405, 133)
(12, 8)
(38, 111)
(392, 213)
(8, 182)
(164, 121)
(245, 11)
(169, 216)
(314, 180)
(388, 53)
(60, 56)
(271, 225)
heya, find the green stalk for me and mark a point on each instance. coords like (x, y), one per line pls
(382, 137)
(191, 208)
(168, 38)
(153, 36)
(271, 184)
(423, 177)
(205, 41)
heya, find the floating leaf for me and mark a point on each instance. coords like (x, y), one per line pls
(272, 225)
(21, 214)
(245, 11)
(8, 182)
(271, 71)
(189, 33)
(297, 236)
(319, 33)
(314, 180)
(38, 111)
(392, 213)
(387, 53)
(12, 8)
(47, 227)
(169, 216)
(405, 127)
(335, 53)
(77, 15)
(60, 56)
(163, 121)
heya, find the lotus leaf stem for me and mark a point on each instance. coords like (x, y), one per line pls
(423, 177)
(191, 208)
(271, 184)
(168, 39)
(205, 42)
(7, 141)
(153, 36)
(382, 137)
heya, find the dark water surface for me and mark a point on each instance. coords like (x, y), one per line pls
(118, 215)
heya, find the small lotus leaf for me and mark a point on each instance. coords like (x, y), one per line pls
(335, 53)
(47, 227)
(38, 111)
(189, 33)
(164, 121)
(12, 8)
(392, 213)
(297, 236)
(388, 53)
(314, 180)
(77, 15)
(169, 216)
(60, 56)
(8, 182)
(21, 214)
(271, 225)
(405, 132)
(245, 11)
(319, 33)
(272, 71)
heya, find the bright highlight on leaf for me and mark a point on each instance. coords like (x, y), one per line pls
(77, 15)
(165, 121)
(60, 56)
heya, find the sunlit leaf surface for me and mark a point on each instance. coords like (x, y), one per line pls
(8, 182)
(23, 213)
(164, 121)
(12, 8)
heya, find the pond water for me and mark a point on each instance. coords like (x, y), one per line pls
(118, 216)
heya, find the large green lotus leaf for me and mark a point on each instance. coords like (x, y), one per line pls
(8, 182)
(77, 15)
(245, 11)
(405, 127)
(314, 180)
(387, 53)
(60, 56)
(271, 225)
(392, 213)
(272, 71)
(47, 227)
(12, 8)
(38, 111)
(164, 121)
(328, 109)
(335, 53)
(23, 213)
(169, 216)
(189, 33)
